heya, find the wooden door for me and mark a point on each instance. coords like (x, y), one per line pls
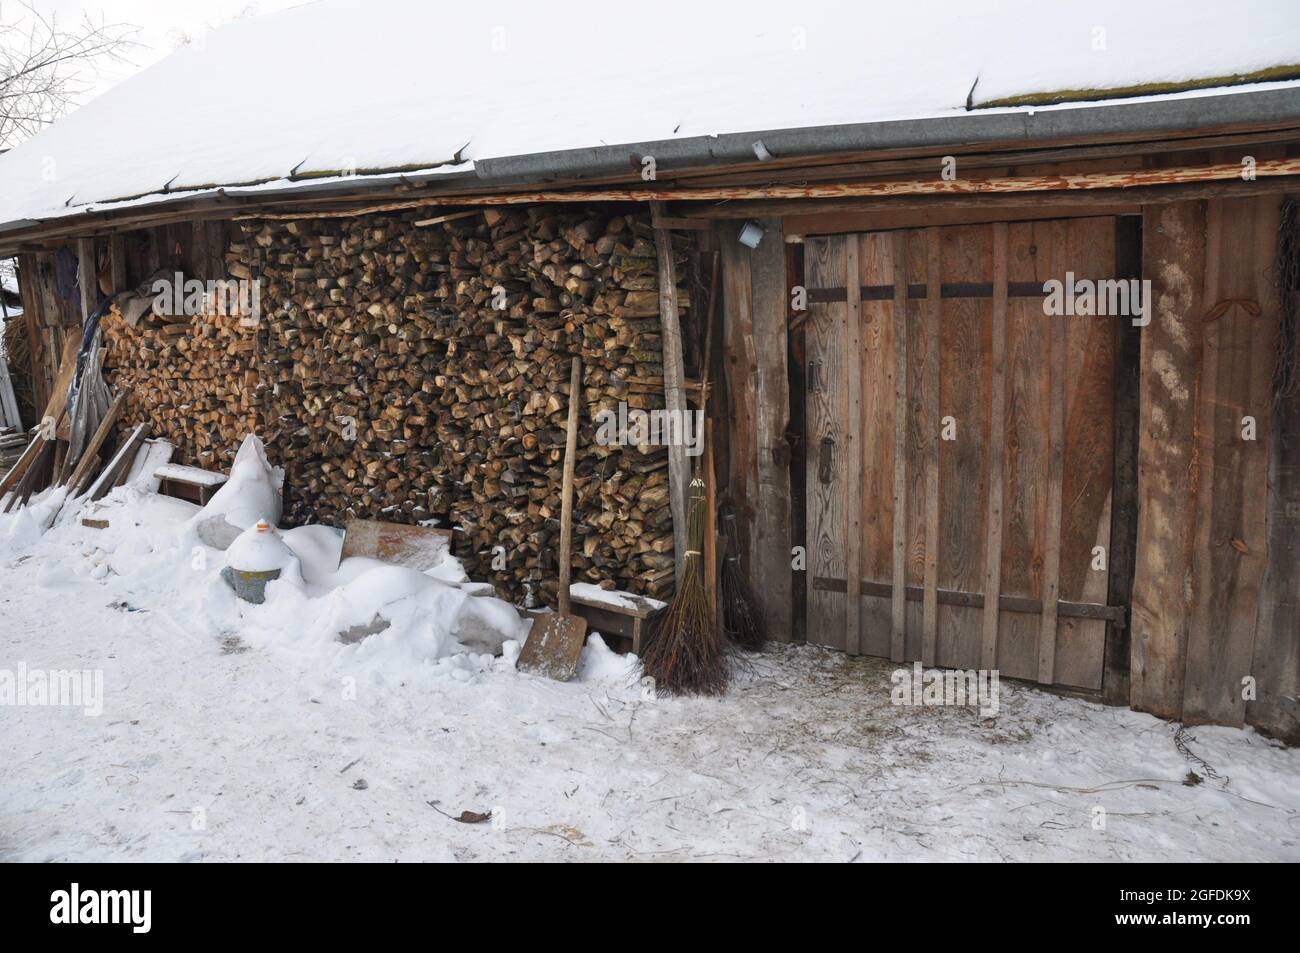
(960, 448)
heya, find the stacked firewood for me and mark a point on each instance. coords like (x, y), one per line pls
(420, 372)
(192, 379)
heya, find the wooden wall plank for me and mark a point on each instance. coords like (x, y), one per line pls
(769, 564)
(851, 472)
(1231, 532)
(29, 288)
(828, 485)
(1056, 327)
(117, 263)
(1276, 664)
(930, 413)
(996, 453)
(200, 252)
(1173, 259)
(898, 375)
(87, 277)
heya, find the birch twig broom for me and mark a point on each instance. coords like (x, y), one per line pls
(740, 618)
(684, 654)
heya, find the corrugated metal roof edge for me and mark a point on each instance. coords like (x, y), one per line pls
(1184, 114)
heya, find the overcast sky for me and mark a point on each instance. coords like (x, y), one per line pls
(163, 24)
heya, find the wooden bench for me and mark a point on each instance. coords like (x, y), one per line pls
(188, 483)
(612, 612)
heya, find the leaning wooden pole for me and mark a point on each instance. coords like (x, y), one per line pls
(679, 469)
(566, 497)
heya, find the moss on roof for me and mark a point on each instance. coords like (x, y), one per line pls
(1271, 74)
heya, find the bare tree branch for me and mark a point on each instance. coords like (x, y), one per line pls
(40, 62)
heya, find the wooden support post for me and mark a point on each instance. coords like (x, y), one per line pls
(898, 605)
(679, 470)
(1173, 258)
(997, 447)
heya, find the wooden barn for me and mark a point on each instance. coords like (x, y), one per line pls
(1005, 378)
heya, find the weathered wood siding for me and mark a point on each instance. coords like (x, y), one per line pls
(755, 347)
(1214, 592)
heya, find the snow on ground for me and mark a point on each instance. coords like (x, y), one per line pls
(239, 732)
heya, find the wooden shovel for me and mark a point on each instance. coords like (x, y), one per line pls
(555, 643)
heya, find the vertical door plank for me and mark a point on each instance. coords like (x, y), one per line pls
(1055, 329)
(848, 468)
(963, 385)
(827, 400)
(930, 415)
(898, 599)
(1089, 471)
(920, 430)
(877, 459)
(997, 441)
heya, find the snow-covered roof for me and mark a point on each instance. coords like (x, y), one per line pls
(369, 85)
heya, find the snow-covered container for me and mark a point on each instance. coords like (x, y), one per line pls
(256, 557)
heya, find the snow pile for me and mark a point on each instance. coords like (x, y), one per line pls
(251, 493)
(23, 527)
(359, 614)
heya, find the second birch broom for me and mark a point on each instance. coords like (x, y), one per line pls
(685, 652)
